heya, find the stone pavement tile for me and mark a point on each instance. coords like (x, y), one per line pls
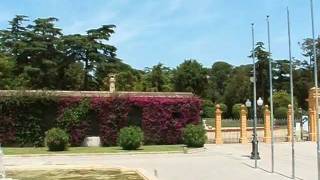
(225, 162)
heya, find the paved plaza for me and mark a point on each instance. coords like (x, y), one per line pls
(225, 162)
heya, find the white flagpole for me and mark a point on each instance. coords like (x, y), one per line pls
(292, 99)
(316, 86)
(271, 96)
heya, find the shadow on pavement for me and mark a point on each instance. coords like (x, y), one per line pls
(278, 173)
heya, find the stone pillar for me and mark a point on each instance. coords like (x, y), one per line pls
(267, 124)
(218, 129)
(312, 125)
(312, 114)
(315, 129)
(289, 124)
(243, 125)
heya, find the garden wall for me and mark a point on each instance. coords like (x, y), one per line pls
(26, 116)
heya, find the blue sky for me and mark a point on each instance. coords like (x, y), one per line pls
(170, 31)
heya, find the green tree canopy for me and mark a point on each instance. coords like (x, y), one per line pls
(219, 75)
(190, 76)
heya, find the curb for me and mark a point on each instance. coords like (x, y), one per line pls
(92, 154)
(196, 150)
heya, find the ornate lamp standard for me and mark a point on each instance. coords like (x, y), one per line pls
(254, 79)
(255, 148)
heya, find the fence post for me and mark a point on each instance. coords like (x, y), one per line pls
(218, 133)
(289, 126)
(267, 130)
(243, 125)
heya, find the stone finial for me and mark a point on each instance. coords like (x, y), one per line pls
(243, 109)
(266, 109)
(218, 109)
(112, 83)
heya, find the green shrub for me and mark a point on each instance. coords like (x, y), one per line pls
(208, 109)
(208, 112)
(281, 99)
(74, 115)
(130, 138)
(194, 135)
(281, 112)
(57, 139)
(236, 111)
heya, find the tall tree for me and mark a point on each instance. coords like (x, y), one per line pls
(262, 69)
(281, 72)
(307, 48)
(238, 87)
(158, 78)
(13, 38)
(219, 74)
(39, 60)
(190, 76)
(91, 50)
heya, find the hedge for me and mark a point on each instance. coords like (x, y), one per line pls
(25, 119)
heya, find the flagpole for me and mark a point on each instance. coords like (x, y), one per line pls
(254, 99)
(292, 99)
(316, 86)
(271, 96)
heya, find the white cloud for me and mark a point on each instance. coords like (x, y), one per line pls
(81, 25)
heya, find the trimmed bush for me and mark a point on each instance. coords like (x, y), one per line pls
(194, 135)
(57, 139)
(130, 138)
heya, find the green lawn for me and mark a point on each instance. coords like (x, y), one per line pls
(75, 150)
(229, 123)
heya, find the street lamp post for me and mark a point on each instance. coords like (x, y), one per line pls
(248, 105)
(255, 143)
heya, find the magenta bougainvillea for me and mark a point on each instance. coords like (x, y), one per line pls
(161, 118)
(164, 118)
(112, 116)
